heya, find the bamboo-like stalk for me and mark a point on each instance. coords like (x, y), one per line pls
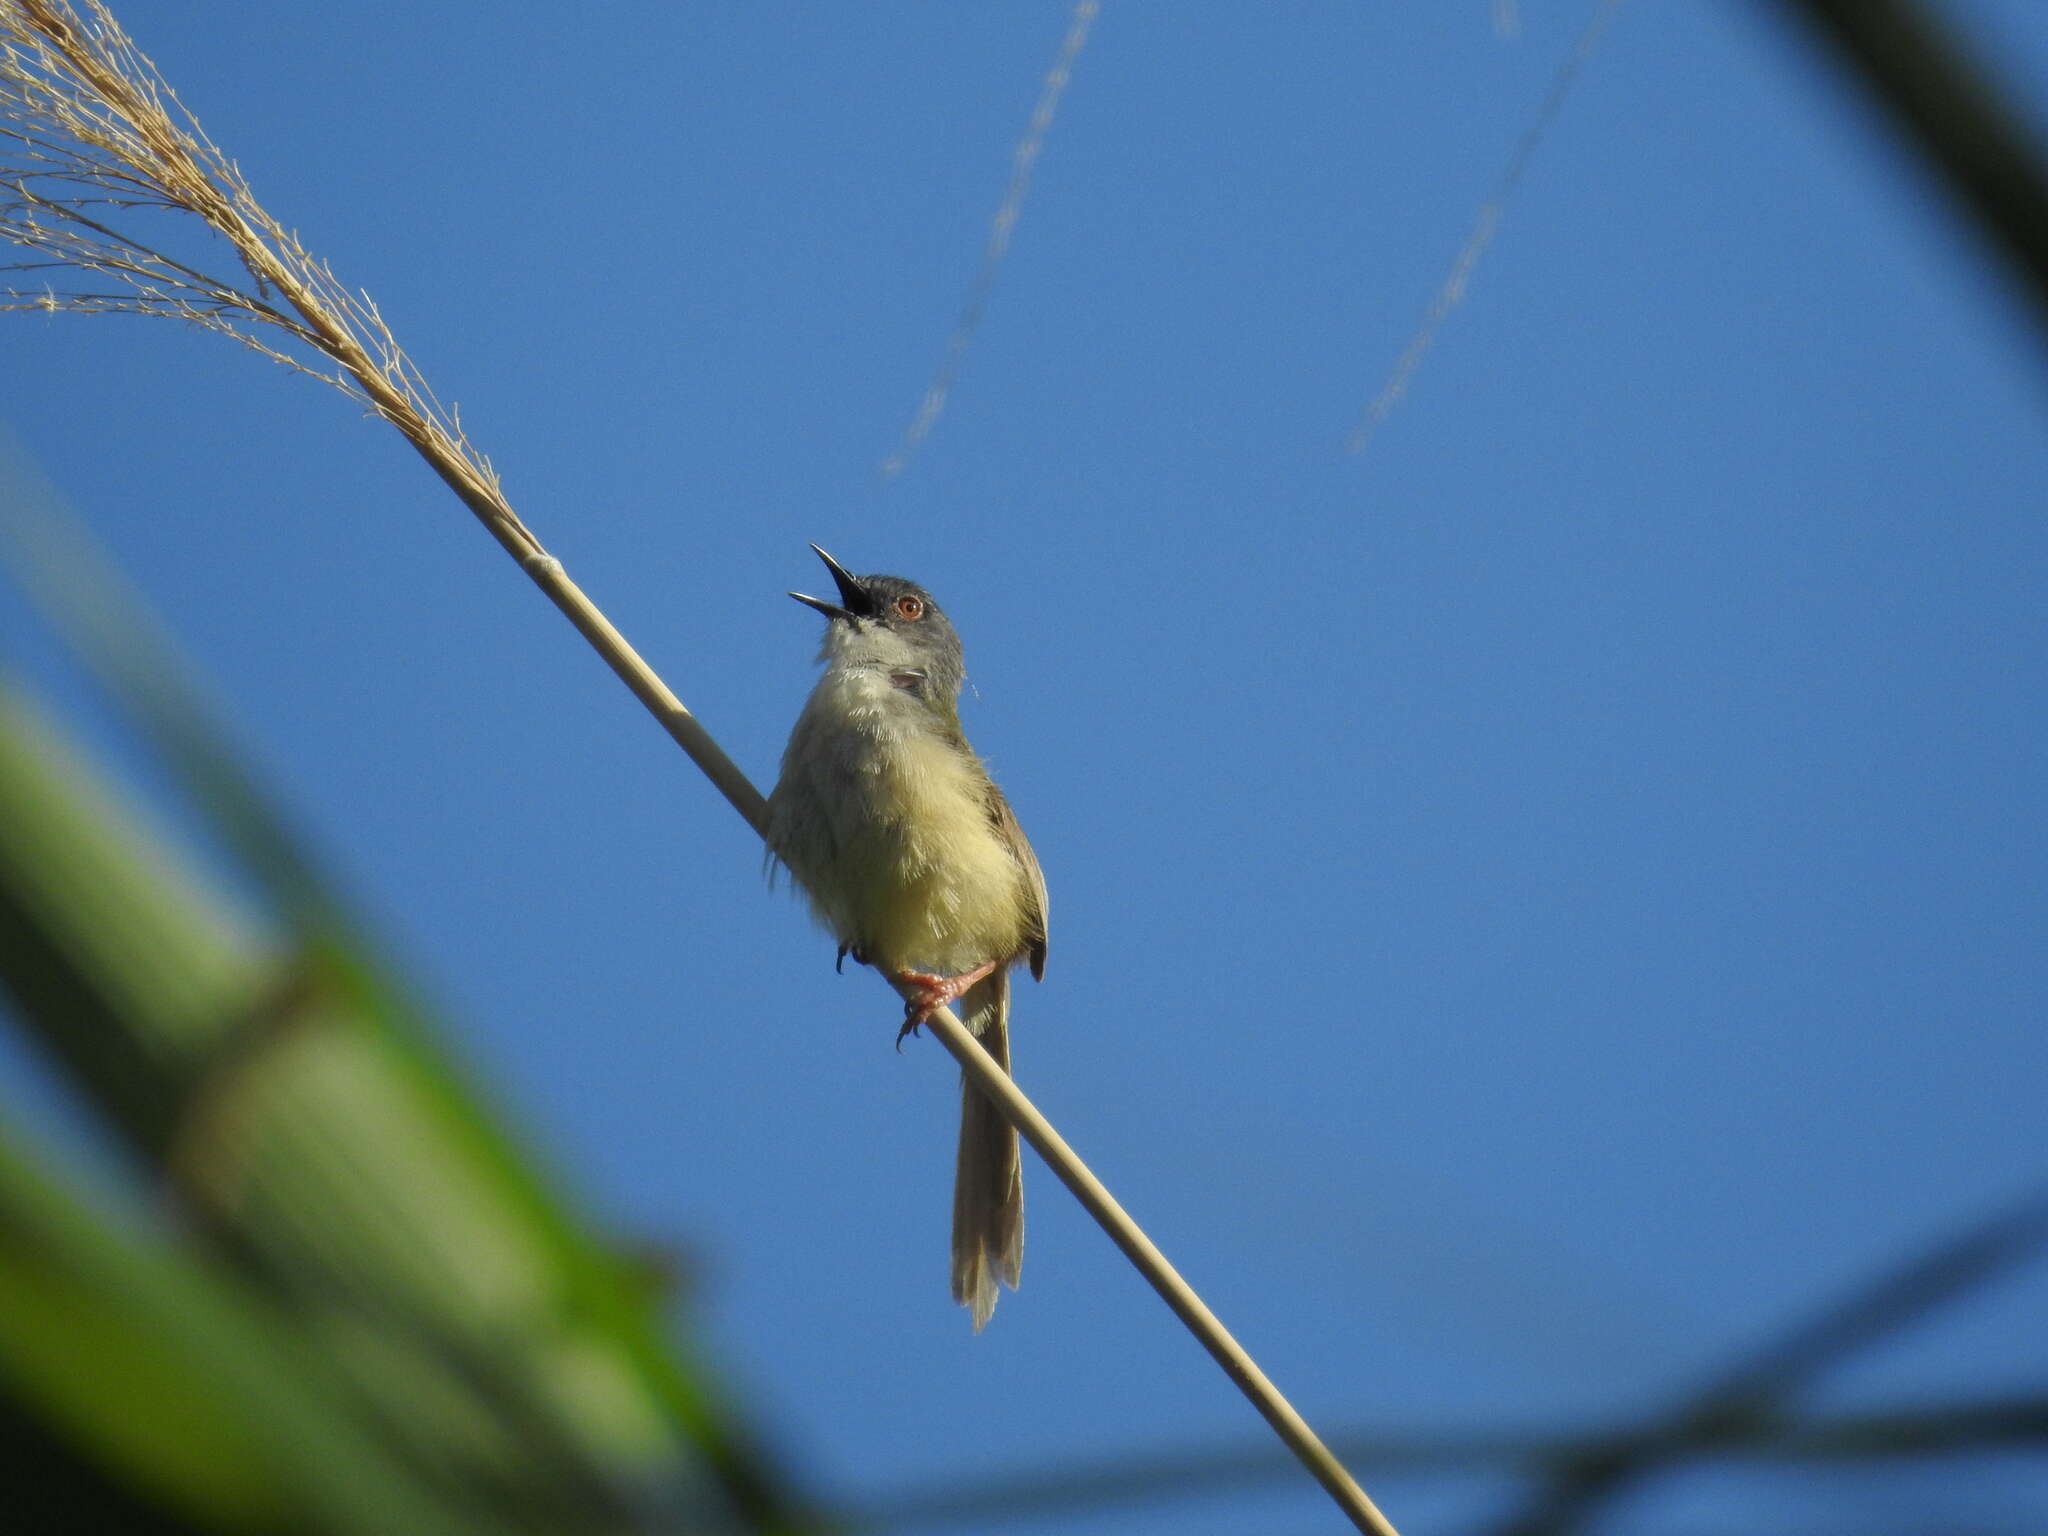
(89, 120)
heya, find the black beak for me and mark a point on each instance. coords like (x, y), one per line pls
(851, 593)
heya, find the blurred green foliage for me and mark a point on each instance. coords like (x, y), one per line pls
(326, 1292)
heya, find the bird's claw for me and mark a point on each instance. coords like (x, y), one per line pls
(931, 994)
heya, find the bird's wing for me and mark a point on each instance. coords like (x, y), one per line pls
(1012, 834)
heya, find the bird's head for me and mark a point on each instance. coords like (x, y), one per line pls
(890, 623)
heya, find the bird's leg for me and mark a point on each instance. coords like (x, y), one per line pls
(932, 994)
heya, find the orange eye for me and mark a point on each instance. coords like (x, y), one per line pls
(908, 607)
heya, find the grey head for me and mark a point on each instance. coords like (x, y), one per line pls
(890, 623)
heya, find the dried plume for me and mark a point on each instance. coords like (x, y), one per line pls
(101, 170)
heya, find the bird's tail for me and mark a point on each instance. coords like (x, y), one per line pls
(988, 1180)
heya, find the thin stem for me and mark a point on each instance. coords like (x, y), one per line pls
(1960, 117)
(649, 689)
(1067, 1166)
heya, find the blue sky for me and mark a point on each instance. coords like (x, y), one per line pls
(1536, 907)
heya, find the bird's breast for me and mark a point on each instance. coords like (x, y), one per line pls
(885, 821)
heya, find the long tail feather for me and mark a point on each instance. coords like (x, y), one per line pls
(988, 1180)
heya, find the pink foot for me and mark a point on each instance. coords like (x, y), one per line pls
(933, 993)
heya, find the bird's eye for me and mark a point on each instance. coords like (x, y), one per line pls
(908, 607)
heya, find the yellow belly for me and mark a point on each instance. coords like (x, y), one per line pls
(886, 826)
(925, 881)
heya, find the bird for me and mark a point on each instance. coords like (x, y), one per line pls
(912, 858)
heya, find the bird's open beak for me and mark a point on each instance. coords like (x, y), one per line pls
(852, 594)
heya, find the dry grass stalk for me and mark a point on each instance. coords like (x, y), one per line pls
(97, 135)
(91, 135)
